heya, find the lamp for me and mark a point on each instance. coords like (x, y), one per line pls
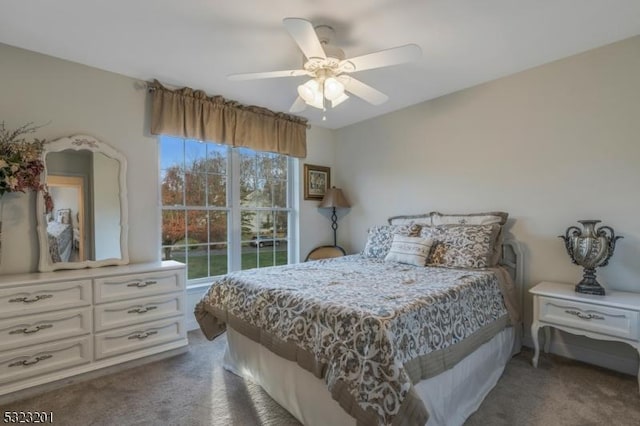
(334, 198)
(308, 91)
(316, 90)
(333, 89)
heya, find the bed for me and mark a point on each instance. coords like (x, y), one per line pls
(377, 339)
(60, 236)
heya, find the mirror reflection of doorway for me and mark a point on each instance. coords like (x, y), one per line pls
(66, 225)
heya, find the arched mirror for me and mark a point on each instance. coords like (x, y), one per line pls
(82, 222)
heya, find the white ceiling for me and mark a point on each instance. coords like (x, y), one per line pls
(197, 43)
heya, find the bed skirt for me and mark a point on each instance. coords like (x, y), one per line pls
(450, 397)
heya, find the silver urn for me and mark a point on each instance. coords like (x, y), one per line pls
(590, 247)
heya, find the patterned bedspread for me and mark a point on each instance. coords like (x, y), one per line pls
(369, 328)
(60, 236)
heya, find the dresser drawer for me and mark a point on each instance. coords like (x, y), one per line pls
(129, 339)
(29, 299)
(584, 316)
(120, 314)
(125, 287)
(29, 330)
(42, 359)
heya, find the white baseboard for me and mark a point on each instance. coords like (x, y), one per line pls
(622, 364)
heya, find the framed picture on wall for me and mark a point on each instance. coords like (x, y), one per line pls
(317, 179)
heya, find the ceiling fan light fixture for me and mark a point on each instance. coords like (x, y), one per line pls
(326, 65)
(318, 100)
(340, 99)
(333, 89)
(309, 90)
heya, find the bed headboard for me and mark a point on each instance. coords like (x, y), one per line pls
(513, 262)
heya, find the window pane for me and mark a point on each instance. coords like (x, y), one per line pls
(282, 233)
(195, 156)
(171, 152)
(217, 190)
(198, 261)
(172, 187)
(248, 179)
(262, 195)
(197, 227)
(266, 224)
(218, 227)
(282, 255)
(196, 189)
(176, 253)
(172, 170)
(218, 259)
(280, 167)
(248, 222)
(249, 256)
(280, 194)
(173, 227)
(217, 158)
(282, 224)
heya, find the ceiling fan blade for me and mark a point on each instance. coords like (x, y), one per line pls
(383, 58)
(298, 106)
(305, 36)
(364, 91)
(269, 74)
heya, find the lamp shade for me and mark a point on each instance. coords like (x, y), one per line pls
(333, 89)
(308, 90)
(334, 198)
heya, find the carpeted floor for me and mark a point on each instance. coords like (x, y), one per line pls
(193, 389)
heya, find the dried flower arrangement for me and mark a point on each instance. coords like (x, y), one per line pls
(21, 162)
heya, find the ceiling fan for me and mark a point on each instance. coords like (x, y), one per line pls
(329, 69)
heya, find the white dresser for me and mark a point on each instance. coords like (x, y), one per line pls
(55, 325)
(615, 316)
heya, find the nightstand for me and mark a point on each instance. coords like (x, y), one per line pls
(615, 316)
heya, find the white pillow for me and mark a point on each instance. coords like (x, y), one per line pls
(417, 219)
(411, 250)
(488, 218)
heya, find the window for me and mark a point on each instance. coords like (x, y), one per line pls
(224, 208)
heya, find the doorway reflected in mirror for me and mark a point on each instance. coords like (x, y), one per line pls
(66, 222)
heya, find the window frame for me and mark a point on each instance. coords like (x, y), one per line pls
(234, 210)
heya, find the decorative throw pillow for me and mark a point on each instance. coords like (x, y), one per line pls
(380, 237)
(486, 218)
(411, 250)
(462, 246)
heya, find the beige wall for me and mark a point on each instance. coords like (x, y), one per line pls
(315, 224)
(550, 145)
(74, 99)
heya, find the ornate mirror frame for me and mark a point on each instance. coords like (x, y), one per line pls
(79, 143)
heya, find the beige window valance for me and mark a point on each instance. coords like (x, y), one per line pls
(192, 114)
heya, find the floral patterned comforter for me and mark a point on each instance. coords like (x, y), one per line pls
(369, 328)
(60, 237)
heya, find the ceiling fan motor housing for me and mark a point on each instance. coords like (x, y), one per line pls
(330, 66)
